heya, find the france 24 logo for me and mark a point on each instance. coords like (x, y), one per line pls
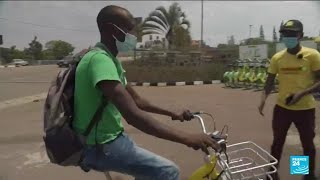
(299, 165)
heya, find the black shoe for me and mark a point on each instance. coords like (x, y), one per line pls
(274, 176)
(310, 177)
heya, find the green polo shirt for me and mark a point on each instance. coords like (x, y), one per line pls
(96, 66)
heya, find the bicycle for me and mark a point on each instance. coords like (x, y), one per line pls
(244, 160)
(239, 166)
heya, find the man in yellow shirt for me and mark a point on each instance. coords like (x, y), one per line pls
(298, 70)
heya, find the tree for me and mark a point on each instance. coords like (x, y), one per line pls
(222, 46)
(5, 55)
(231, 41)
(307, 38)
(59, 49)
(16, 54)
(280, 38)
(275, 37)
(165, 22)
(35, 49)
(182, 38)
(138, 29)
(261, 32)
(47, 55)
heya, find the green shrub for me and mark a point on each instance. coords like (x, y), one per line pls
(138, 72)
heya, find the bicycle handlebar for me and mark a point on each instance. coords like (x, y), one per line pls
(197, 115)
(216, 135)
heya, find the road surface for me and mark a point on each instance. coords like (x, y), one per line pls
(21, 148)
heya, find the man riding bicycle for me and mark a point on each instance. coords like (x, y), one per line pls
(101, 75)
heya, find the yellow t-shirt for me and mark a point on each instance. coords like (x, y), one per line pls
(295, 75)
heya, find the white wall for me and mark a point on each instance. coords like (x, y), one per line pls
(146, 38)
(253, 51)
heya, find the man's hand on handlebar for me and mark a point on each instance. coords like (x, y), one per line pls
(201, 141)
(184, 115)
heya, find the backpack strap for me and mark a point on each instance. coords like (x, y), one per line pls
(98, 114)
(96, 117)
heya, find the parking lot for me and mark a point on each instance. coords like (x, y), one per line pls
(21, 148)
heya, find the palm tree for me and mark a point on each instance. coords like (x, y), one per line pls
(165, 22)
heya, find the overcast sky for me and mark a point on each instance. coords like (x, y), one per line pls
(75, 22)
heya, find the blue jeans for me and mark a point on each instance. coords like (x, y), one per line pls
(124, 156)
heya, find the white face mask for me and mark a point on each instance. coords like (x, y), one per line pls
(128, 44)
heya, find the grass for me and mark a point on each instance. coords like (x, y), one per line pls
(138, 72)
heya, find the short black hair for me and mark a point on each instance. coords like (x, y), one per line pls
(111, 14)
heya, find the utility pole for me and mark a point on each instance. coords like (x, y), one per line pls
(201, 41)
(1, 42)
(201, 23)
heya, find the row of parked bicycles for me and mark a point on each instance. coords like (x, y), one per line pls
(248, 74)
(251, 74)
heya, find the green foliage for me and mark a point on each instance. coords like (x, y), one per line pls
(169, 23)
(138, 72)
(6, 55)
(55, 50)
(261, 32)
(182, 38)
(274, 35)
(48, 55)
(231, 41)
(59, 49)
(307, 38)
(35, 49)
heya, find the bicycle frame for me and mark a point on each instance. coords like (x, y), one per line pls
(208, 170)
(230, 167)
(244, 160)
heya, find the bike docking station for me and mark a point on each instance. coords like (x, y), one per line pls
(248, 74)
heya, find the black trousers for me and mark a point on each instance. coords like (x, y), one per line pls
(304, 120)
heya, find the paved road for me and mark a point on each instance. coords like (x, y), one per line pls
(21, 149)
(24, 81)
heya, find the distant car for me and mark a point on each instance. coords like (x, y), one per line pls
(72, 59)
(20, 62)
(66, 62)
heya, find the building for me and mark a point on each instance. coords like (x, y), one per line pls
(138, 20)
(226, 54)
(195, 43)
(152, 40)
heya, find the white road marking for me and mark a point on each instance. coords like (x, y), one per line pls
(21, 100)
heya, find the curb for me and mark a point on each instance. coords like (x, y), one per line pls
(185, 83)
(9, 66)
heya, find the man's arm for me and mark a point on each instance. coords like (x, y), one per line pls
(315, 87)
(118, 95)
(104, 76)
(269, 85)
(145, 105)
(267, 90)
